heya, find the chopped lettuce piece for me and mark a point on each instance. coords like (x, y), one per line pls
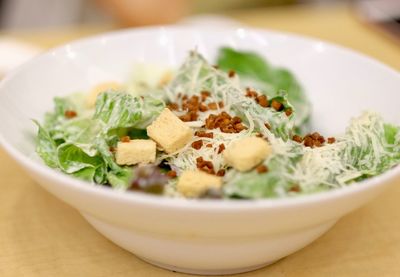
(122, 110)
(120, 179)
(46, 147)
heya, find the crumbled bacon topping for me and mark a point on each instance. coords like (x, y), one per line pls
(197, 144)
(173, 106)
(231, 73)
(221, 148)
(331, 140)
(261, 169)
(212, 106)
(262, 100)
(297, 138)
(278, 106)
(313, 140)
(171, 174)
(204, 95)
(225, 123)
(203, 134)
(204, 165)
(295, 188)
(125, 139)
(251, 93)
(70, 114)
(221, 172)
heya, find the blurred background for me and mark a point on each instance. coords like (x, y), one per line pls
(36, 14)
(29, 26)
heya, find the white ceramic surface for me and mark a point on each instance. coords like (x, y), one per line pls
(206, 237)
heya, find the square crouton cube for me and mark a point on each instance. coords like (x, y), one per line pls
(195, 183)
(169, 131)
(92, 96)
(136, 151)
(244, 154)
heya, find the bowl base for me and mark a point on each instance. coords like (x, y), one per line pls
(206, 272)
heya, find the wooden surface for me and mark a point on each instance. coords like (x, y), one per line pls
(41, 236)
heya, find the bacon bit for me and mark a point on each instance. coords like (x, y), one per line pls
(208, 164)
(314, 140)
(185, 117)
(205, 166)
(193, 116)
(221, 172)
(224, 122)
(239, 127)
(203, 134)
(185, 97)
(266, 124)
(295, 188)
(204, 94)
(221, 148)
(331, 140)
(210, 124)
(288, 112)
(297, 138)
(212, 106)
(70, 114)
(173, 106)
(231, 73)
(315, 135)
(209, 145)
(228, 129)
(262, 169)
(262, 100)
(251, 93)
(112, 149)
(171, 174)
(197, 144)
(259, 135)
(203, 108)
(125, 139)
(221, 104)
(236, 120)
(308, 142)
(276, 105)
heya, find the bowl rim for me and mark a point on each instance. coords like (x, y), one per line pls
(195, 204)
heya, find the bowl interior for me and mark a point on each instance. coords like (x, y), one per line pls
(339, 82)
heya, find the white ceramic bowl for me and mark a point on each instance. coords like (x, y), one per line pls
(205, 237)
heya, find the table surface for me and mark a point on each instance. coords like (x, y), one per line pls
(42, 236)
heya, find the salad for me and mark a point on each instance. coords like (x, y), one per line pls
(238, 129)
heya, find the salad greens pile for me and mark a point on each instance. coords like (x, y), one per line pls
(81, 141)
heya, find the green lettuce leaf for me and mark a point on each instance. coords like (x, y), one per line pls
(121, 179)
(372, 145)
(46, 147)
(122, 110)
(72, 158)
